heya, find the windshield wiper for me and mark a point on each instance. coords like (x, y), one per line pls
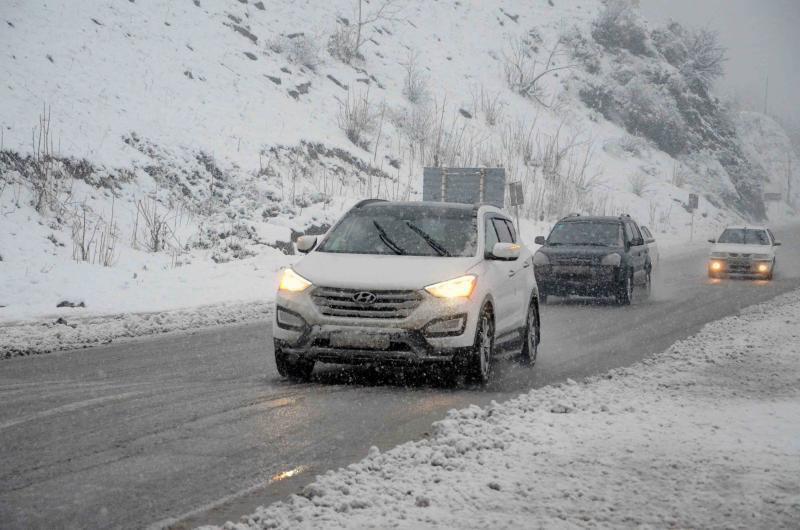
(435, 245)
(397, 249)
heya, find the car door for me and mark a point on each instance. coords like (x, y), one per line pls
(500, 275)
(522, 279)
(637, 252)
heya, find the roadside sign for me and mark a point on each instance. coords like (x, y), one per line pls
(464, 185)
(773, 197)
(515, 196)
(694, 201)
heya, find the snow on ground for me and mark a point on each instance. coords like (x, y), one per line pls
(706, 434)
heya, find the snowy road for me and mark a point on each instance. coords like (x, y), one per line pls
(200, 427)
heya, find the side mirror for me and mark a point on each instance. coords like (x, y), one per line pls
(306, 244)
(777, 243)
(712, 240)
(540, 240)
(506, 251)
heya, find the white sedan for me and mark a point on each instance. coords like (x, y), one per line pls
(743, 251)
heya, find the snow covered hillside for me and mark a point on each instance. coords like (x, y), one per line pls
(158, 155)
(704, 435)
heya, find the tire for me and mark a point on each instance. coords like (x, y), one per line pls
(625, 290)
(479, 360)
(530, 337)
(294, 370)
(648, 286)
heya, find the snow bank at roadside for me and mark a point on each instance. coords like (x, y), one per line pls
(706, 434)
(66, 333)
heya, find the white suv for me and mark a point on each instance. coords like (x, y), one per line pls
(408, 282)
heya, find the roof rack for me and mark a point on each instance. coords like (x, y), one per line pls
(365, 202)
(624, 216)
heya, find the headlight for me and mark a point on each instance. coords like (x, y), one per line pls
(612, 260)
(763, 267)
(293, 282)
(455, 288)
(540, 258)
(716, 265)
(719, 254)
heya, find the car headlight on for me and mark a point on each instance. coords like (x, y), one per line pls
(611, 260)
(455, 288)
(763, 267)
(719, 254)
(292, 282)
(540, 258)
(716, 265)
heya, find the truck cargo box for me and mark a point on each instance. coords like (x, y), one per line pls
(464, 185)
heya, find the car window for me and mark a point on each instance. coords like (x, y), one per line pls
(511, 230)
(502, 230)
(745, 236)
(404, 230)
(647, 235)
(588, 233)
(629, 236)
(491, 235)
(771, 235)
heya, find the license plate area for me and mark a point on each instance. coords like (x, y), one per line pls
(359, 341)
(575, 270)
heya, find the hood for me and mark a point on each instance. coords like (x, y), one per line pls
(368, 271)
(581, 251)
(742, 249)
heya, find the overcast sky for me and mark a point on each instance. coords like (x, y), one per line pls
(762, 37)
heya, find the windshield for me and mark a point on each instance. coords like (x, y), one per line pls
(744, 236)
(404, 230)
(586, 233)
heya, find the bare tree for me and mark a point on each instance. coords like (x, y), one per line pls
(523, 71)
(356, 117)
(43, 162)
(705, 58)
(415, 83)
(346, 42)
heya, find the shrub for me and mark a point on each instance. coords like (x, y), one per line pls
(342, 43)
(357, 118)
(415, 83)
(651, 112)
(618, 26)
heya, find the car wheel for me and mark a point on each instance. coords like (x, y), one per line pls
(771, 271)
(530, 339)
(479, 361)
(648, 286)
(295, 370)
(625, 290)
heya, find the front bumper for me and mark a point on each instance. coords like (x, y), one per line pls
(312, 335)
(739, 267)
(585, 280)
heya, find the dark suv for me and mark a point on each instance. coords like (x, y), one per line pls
(593, 256)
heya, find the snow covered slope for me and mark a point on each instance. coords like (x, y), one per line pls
(169, 135)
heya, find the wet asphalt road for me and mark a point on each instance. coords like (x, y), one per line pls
(199, 428)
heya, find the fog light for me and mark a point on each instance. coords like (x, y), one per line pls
(716, 266)
(289, 319)
(763, 267)
(446, 327)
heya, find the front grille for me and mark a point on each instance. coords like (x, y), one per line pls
(735, 255)
(337, 302)
(574, 261)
